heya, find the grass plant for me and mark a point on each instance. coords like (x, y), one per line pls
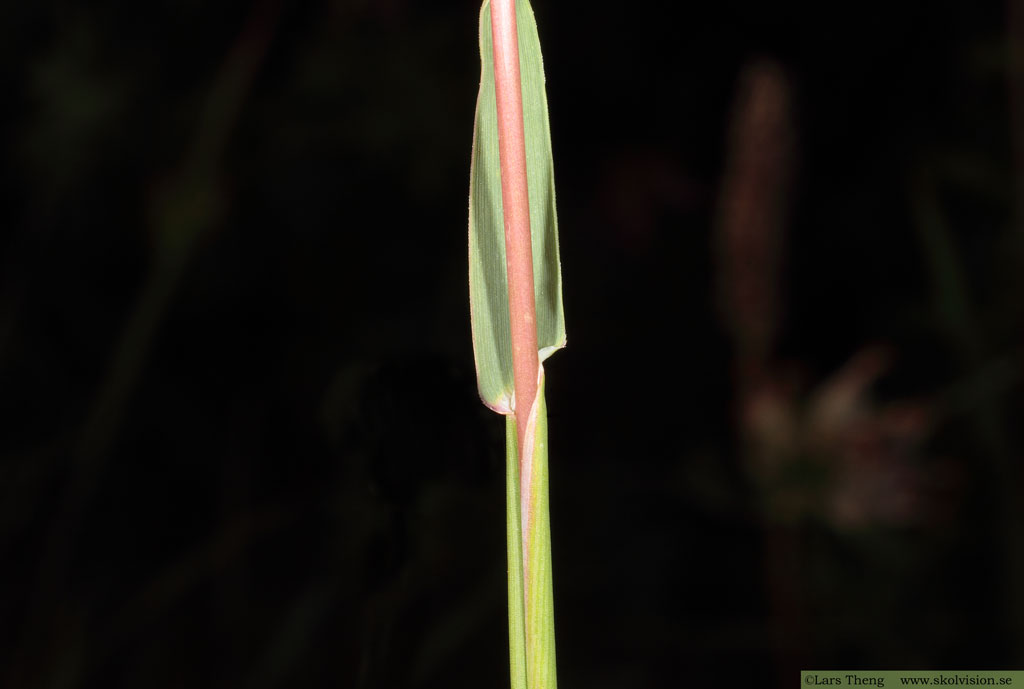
(516, 309)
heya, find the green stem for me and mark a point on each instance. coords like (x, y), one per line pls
(530, 588)
(516, 595)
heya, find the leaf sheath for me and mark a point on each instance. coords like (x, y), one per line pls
(531, 599)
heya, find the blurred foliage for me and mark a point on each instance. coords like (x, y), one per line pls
(234, 262)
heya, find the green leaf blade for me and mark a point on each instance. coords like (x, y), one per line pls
(487, 273)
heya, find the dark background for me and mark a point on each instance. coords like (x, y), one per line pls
(241, 442)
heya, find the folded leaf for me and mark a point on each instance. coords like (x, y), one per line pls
(488, 282)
